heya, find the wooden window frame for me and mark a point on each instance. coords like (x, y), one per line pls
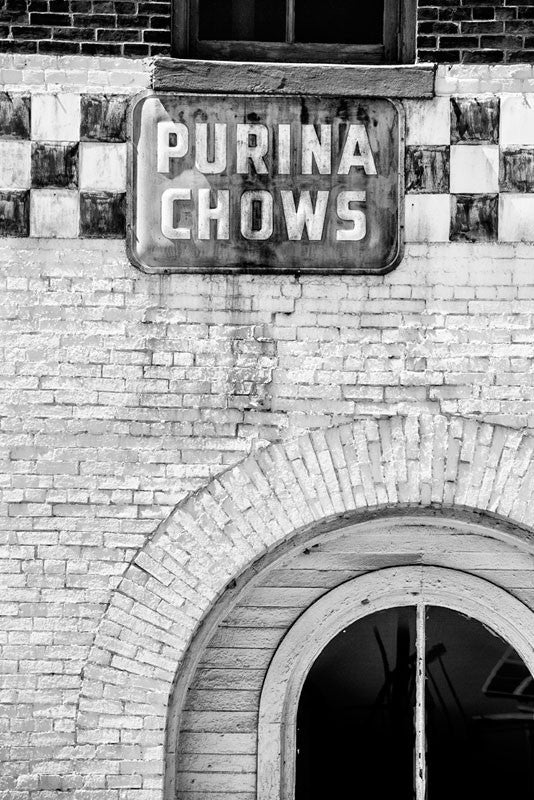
(418, 586)
(398, 46)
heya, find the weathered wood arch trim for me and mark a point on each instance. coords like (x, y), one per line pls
(494, 607)
(372, 467)
(431, 521)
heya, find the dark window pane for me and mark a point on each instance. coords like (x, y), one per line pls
(479, 721)
(243, 20)
(339, 21)
(355, 723)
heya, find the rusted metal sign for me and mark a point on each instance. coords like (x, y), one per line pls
(257, 183)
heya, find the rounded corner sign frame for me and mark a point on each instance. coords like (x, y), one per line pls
(318, 202)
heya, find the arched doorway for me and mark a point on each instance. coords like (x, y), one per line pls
(394, 720)
(468, 487)
(357, 721)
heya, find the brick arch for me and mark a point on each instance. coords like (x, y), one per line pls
(371, 465)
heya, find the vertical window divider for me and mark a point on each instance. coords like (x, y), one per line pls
(290, 21)
(391, 30)
(420, 676)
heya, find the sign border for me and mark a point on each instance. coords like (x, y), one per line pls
(243, 268)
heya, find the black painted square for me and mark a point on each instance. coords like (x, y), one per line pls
(516, 170)
(15, 116)
(102, 215)
(474, 217)
(427, 169)
(54, 165)
(15, 213)
(103, 118)
(475, 119)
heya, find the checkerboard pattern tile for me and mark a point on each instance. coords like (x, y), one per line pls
(62, 165)
(470, 169)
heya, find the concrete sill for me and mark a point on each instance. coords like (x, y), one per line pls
(326, 80)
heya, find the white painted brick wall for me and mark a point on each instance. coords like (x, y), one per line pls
(73, 73)
(121, 392)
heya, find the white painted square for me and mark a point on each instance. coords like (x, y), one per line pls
(474, 169)
(54, 213)
(427, 217)
(517, 120)
(56, 117)
(428, 121)
(15, 164)
(102, 167)
(516, 218)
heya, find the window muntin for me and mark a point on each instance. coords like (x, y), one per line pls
(296, 30)
(358, 726)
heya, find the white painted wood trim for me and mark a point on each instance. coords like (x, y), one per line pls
(420, 732)
(419, 585)
(498, 536)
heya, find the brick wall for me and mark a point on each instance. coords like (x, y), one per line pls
(134, 28)
(121, 392)
(465, 31)
(475, 32)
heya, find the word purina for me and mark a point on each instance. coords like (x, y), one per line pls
(256, 208)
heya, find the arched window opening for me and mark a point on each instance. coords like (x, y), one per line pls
(412, 691)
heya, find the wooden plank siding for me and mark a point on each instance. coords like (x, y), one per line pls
(217, 742)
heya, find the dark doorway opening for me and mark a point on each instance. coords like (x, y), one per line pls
(356, 732)
(479, 713)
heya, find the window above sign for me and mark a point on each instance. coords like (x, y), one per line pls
(381, 32)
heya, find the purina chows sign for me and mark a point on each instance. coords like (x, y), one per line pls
(265, 184)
